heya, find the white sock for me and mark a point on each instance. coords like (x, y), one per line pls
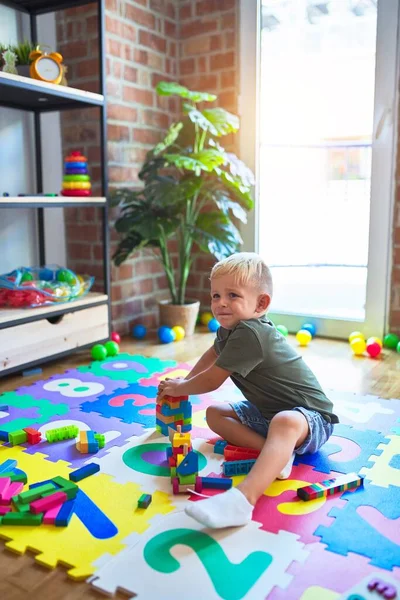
(285, 473)
(229, 509)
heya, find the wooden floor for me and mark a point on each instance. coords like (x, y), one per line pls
(331, 361)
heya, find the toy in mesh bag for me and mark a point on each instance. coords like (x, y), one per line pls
(30, 287)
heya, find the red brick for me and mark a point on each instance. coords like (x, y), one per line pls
(92, 24)
(230, 40)
(82, 232)
(114, 47)
(228, 100)
(228, 21)
(140, 56)
(170, 29)
(207, 83)
(113, 26)
(215, 42)
(197, 45)
(187, 66)
(117, 132)
(74, 49)
(139, 16)
(129, 32)
(130, 74)
(118, 112)
(225, 60)
(205, 7)
(202, 64)
(133, 94)
(155, 119)
(125, 271)
(79, 250)
(88, 68)
(152, 41)
(185, 12)
(117, 69)
(146, 267)
(197, 27)
(228, 79)
(147, 136)
(122, 174)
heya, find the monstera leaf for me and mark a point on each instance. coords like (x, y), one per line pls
(166, 88)
(216, 234)
(205, 160)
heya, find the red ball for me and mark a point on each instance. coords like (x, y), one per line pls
(116, 337)
(374, 349)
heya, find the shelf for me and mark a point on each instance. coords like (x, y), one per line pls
(17, 316)
(50, 201)
(24, 93)
(38, 7)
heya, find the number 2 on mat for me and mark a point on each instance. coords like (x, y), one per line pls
(231, 581)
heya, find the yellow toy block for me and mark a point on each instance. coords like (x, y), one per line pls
(180, 439)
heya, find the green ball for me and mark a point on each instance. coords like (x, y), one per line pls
(391, 341)
(66, 276)
(112, 348)
(283, 330)
(99, 352)
(398, 348)
(26, 277)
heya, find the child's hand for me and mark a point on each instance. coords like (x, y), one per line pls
(170, 387)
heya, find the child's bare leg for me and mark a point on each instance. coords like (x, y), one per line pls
(223, 420)
(287, 430)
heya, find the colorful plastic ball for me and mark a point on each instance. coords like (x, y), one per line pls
(283, 330)
(26, 277)
(166, 335)
(373, 349)
(116, 337)
(398, 348)
(372, 340)
(309, 327)
(139, 332)
(99, 352)
(354, 335)
(179, 333)
(304, 337)
(45, 274)
(358, 346)
(213, 325)
(112, 348)
(391, 340)
(205, 318)
(66, 276)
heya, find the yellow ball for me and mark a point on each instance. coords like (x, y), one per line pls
(373, 339)
(358, 346)
(206, 318)
(179, 333)
(354, 335)
(304, 337)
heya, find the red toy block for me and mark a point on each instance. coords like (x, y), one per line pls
(13, 490)
(48, 502)
(240, 453)
(34, 436)
(4, 510)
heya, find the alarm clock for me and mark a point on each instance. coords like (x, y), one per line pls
(46, 67)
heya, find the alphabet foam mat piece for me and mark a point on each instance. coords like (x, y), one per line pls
(292, 550)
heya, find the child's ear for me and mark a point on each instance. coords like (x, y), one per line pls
(263, 302)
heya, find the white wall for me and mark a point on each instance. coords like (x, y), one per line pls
(18, 228)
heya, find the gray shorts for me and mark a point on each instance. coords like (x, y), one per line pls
(319, 430)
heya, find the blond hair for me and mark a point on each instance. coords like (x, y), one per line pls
(247, 268)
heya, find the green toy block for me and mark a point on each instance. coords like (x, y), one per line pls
(19, 506)
(173, 472)
(61, 433)
(35, 493)
(66, 486)
(20, 518)
(17, 437)
(101, 439)
(19, 477)
(187, 421)
(187, 479)
(144, 500)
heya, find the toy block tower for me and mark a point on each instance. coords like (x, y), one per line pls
(173, 412)
(76, 180)
(184, 462)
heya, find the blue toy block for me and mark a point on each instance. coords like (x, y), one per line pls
(219, 446)
(65, 513)
(185, 409)
(34, 371)
(189, 465)
(144, 500)
(84, 472)
(237, 467)
(8, 465)
(3, 407)
(218, 483)
(4, 436)
(169, 451)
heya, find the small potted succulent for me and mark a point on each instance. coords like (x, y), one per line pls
(22, 51)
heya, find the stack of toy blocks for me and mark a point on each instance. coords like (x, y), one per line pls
(184, 462)
(21, 436)
(90, 442)
(329, 487)
(238, 460)
(173, 412)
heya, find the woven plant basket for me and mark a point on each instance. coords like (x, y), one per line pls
(184, 315)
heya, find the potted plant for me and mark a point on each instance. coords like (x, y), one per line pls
(193, 192)
(22, 52)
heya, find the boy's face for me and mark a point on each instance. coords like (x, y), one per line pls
(232, 302)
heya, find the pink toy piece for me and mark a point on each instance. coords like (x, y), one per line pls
(51, 514)
(4, 485)
(13, 490)
(4, 510)
(198, 487)
(175, 485)
(45, 504)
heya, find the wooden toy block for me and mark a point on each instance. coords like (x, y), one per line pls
(65, 514)
(4, 485)
(35, 493)
(4, 436)
(330, 486)
(237, 467)
(189, 465)
(218, 483)
(8, 465)
(20, 476)
(16, 518)
(17, 437)
(84, 472)
(180, 439)
(70, 488)
(34, 436)
(83, 442)
(13, 490)
(19, 506)
(61, 433)
(190, 479)
(3, 407)
(44, 504)
(219, 446)
(239, 453)
(172, 461)
(173, 472)
(31, 372)
(179, 459)
(144, 500)
(177, 488)
(49, 517)
(4, 510)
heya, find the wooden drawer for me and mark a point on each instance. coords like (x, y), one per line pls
(22, 344)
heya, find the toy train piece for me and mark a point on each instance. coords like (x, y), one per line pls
(330, 487)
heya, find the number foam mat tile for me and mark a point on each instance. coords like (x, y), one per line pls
(323, 549)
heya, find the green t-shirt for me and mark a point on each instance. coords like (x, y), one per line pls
(268, 371)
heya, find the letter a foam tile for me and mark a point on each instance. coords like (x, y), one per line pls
(98, 506)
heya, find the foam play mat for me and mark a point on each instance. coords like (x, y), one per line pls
(346, 545)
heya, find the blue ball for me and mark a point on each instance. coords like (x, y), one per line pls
(213, 325)
(166, 335)
(139, 332)
(46, 274)
(310, 327)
